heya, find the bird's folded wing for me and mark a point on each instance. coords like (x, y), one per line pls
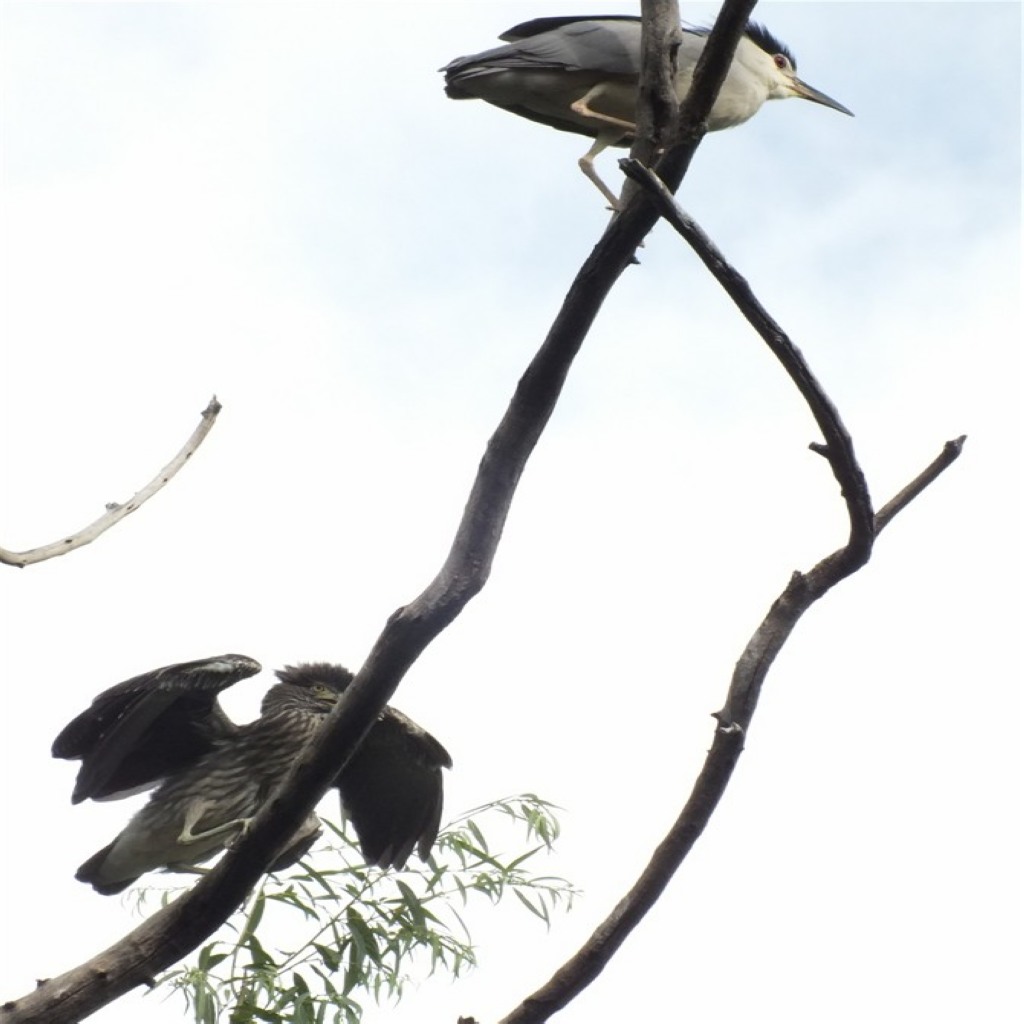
(392, 790)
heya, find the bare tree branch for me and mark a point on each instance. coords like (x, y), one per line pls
(838, 448)
(708, 76)
(733, 720)
(802, 591)
(950, 453)
(657, 111)
(115, 512)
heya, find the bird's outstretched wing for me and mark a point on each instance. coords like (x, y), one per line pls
(392, 790)
(151, 726)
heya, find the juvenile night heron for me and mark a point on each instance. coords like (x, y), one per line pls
(167, 729)
(580, 75)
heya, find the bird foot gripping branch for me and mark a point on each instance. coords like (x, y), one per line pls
(582, 75)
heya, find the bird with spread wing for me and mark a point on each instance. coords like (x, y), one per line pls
(166, 729)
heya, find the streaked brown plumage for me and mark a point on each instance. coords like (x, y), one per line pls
(166, 729)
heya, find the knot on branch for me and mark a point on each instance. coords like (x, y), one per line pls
(726, 725)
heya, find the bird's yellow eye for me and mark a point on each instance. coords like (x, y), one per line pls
(320, 690)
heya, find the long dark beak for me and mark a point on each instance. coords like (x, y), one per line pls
(807, 92)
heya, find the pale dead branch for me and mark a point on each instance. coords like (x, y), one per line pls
(117, 511)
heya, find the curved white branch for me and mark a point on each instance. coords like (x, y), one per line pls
(116, 512)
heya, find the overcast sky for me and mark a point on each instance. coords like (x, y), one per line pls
(276, 203)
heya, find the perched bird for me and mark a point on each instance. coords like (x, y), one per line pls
(581, 75)
(166, 728)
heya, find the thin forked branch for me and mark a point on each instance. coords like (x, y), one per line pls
(838, 448)
(733, 720)
(116, 512)
(748, 677)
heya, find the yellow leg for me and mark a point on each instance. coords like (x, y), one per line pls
(583, 108)
(586, 162)
(194, 815)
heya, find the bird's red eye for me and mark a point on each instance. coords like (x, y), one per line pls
(781, 61)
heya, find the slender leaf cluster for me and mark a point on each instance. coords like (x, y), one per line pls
(355, 931)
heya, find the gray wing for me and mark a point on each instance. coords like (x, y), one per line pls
(392, 790)
(607, 45)
(538, 26)
(151, 726)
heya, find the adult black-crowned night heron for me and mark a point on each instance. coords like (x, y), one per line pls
(580, 75)
(166, 728)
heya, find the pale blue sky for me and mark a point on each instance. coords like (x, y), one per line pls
(278, 204)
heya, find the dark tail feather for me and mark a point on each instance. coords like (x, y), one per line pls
(92, 870)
